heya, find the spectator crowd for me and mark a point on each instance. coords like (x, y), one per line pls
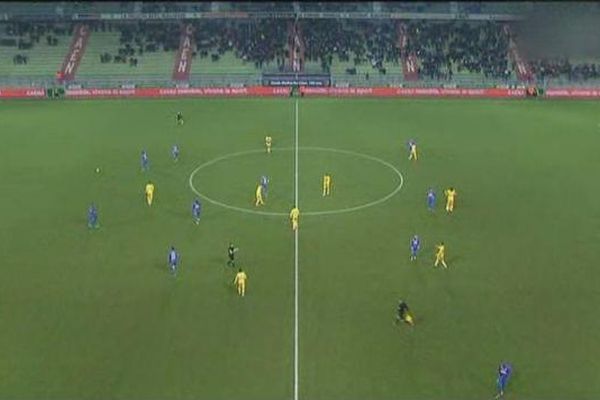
(24, 35)
(137, 38)
(260, 42)
(442, 48)
(445, 48)
(360, 41)
(562, 68)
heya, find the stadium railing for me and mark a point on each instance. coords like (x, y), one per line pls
(255, 79)
(566, 82)
(196, 80)
(398, 79)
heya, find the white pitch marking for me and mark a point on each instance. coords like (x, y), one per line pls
(296, 382)
(307, 213)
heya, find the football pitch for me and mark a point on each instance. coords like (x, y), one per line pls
(95, 314)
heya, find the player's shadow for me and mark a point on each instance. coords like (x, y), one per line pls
(454, 260)
(162, 267)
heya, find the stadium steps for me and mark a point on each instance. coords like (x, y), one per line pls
(339, 70)
(43, 62)
(228, 64)
(157, 64)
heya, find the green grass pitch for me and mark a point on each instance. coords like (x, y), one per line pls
(95, 314)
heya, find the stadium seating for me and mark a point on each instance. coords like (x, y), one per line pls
(352, 47)
(145, 64)
(246, 47)
(353, 51)
(41, 60)
(448, 48)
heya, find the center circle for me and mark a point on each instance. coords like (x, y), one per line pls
(304, 213)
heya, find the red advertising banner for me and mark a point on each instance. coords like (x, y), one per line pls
(410, 92)
(180, 92)
(573, 93)
(22, 93)
(183, 58)
(283, 91)
(75, 54)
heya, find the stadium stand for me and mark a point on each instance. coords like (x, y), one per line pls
(353, 51)
(232, 47)
(561, 53)
(175, 7)
(130, 50)
(448, 49)
(32, 50)
(351, 47)
(26, 9)
(564, 69)
(416, 6)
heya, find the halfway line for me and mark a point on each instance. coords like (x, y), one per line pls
(296, 258)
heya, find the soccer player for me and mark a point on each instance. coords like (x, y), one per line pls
(173, 260)
(450, 195)
(259, 196)
(430, 199)
(264, 182)
(404, 313)
(415, 245)
(93, 216)
(149, 193)
(412, 150)
(145, 161)
(240, 282)
(440, 254)
(196, 210)
(231, 250)
(175, 152)
(504, 372)
(179, 118)
(268, 143)
(294, 215)
(326, 184)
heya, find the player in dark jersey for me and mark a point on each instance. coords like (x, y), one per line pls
(404, 313)
(231, 250)
(179, 118)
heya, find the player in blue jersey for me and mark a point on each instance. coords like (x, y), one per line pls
(415, 245)
(175, 152)
(196, 210)
(93, 216)
(504, 372)
(264, 182)
(430, 199)
(145, 161)
(173, 260)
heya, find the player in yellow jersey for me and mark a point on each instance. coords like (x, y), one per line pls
(149, 193)
(294, 215)
(450, 196)
(268, 143)
(440, 253)
(327, 184)
(259, 196)
(412, 150)
(240, 282)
